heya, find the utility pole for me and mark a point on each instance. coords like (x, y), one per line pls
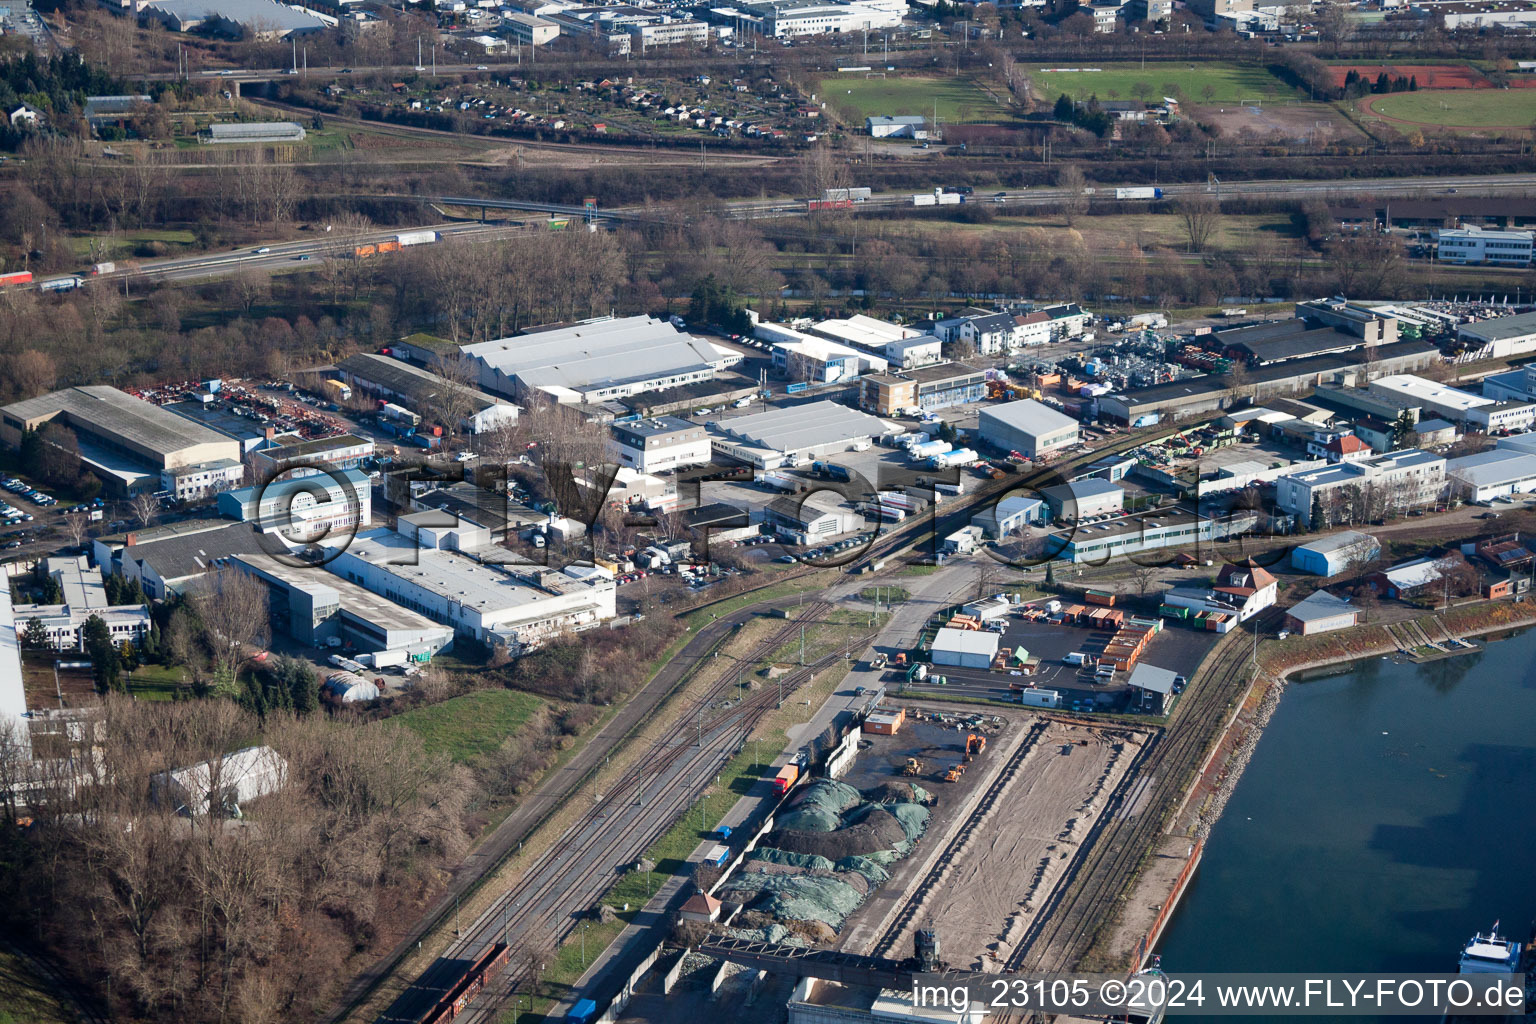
(802, 644)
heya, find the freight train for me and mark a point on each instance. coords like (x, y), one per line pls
(475, 977)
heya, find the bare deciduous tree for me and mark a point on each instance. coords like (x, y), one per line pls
(1073, 201)
(145, 507)
(75, 524)
(233, 608)
(1200, 215)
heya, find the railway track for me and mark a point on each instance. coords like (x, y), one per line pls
(935, 876)
(568, 878)
(1105, 864)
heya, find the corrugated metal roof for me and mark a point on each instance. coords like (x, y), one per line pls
(803, 426)
(966, 641)
(593, 354)
(115, 413)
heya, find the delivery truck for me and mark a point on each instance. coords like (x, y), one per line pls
(406, 238)
(1139, 192)
(786, 778)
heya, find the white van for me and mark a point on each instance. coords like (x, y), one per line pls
(1076, 658)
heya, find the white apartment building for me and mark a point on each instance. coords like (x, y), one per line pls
(784, 19)
(1388, 483)
(1482, 245)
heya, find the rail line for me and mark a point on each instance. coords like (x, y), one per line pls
(548, 896)
(935, 875)
(1105, 863)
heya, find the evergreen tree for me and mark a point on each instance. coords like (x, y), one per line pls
(1413, 83)
(52, 592)
(1063, 111)
(151, 644)
(1318, 521)
(113, 585)
(35, 636)
(103, 654)
(1403, 430)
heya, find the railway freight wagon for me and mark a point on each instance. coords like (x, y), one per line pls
(475, 977)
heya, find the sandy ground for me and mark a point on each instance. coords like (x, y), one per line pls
(1288, 121)
(1002, 877)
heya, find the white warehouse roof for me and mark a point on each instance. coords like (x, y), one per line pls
(1030, 416)
(1421, 390)
(613, 351)
(864, 330)
(966, 641)
(1342, 541)
(795, 427)
(1492, 468)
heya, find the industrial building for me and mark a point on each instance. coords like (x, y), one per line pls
(1482, 245)
(220, 419)
(794, 435)
(1499, 338)
(1396, 482)
(516, 606)
(132, 445)
(303, 509)
(420, 390)
(1321, 613)
(530, 30)
(598, 360)
(663, 444)
(317, 606)
(260, 20)
(1336, 553)
(865, 332)
(1441, 399)
(802, 358)
(927, 389)
(1084, 499)
(1027, 426)
(1482, 477)
(479, 516)
(911, 353)
(167, 559)
(13, 692)
(896, 126)
(965, 648)
(1178, 400)
(809, 520)
(1008, 515)
(788, 19)
(296, 455)
(1195, 534)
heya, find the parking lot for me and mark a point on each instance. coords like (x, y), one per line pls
(1177, 649)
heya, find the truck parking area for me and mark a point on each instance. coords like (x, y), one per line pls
(1049, 645)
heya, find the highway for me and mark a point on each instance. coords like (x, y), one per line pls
(305, 254)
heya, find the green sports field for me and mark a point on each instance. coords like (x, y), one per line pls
(1459, 108)
(959, 101)
(1233, 84)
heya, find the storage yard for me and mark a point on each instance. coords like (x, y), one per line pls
(998, 874)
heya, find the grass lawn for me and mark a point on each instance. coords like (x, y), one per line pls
(1228, 83)
(25, 998)
(474, 724)
(857, 97)
(1458, 108)
(154, 682)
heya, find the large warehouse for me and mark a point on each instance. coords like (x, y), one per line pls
(1482, 477)
(1331, 555)
(420, 389)
(132, 445)
(1499, 338)
(1027, 426)
(795, 434)
(518, 606)
(1084, 499)
(319, 605)
(598, 360)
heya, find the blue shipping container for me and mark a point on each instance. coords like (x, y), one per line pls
(582, 1012)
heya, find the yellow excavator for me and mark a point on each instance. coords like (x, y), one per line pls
(913, 767)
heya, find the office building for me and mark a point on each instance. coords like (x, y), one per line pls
(304, 509)
(926, 390)
(297, 456)
(1367, 489)
(1482, 245)
(663, 444)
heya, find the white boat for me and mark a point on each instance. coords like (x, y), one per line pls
(1490, 954)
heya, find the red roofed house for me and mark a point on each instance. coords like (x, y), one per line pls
(1241, 590)
(1348, 448)
(702, 907)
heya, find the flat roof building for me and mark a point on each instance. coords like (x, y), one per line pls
(926, 389)
(1027, 426)
(1083, 499)
(1169, 529)
(1380, 486)
(304, 509)
(320, 605)
(132, 445)
(291, 453)
(1008, 514)
(519, 607)
(598, 360)
(423, 391)
(662, 444)
(1492, 474)
(795, 434)
(1500, 337)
